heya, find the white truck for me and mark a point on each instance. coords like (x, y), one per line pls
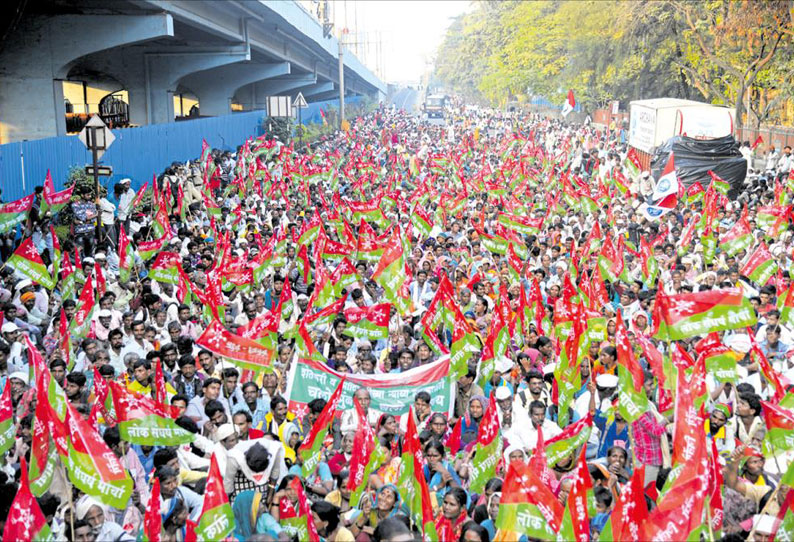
(652, 122)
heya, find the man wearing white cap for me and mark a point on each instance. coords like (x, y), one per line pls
(17, 357)
(125, 196)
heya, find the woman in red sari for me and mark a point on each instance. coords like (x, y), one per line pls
(449, 522)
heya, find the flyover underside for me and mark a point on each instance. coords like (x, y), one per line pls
(224, 53)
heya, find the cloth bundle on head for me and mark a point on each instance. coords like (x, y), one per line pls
(722, 407)
(85, 503)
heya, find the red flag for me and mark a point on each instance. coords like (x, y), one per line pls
(304, 509)
(25, 521)
(453, 439)
(152, 520)
(364, 443)
(577, 499)
(757, 142)
(630, 511)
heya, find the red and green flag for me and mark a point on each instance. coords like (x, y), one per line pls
(368, 455)
(699, 313)
(25, 519)
(760, 265)
(166, 268)
(7, 427)
(780, 426)
(27, 261)
(390, 274)
(161, 226)
(771, 217)
(610, 261)
(632, 162)
(720, 185)
(246, 353)
(576, 519)
(421, 221)
(412, 483)
(217, 519)
(785, 304)
(311, 448)
(371, 323)
(310, 229)
(487, 450)
(126, 255)
(738, 238)
(465, 344)
(630, 512)
(54, 201)
(650, 267)
(368, 249)
(146, 422)
(527, 505)
(14, 213)
(149, 249)
(522, 224)
(93, 467)
(695, 193)
(632, 401)
(567, 442)
(81, 321)
(301, 525)
(43, 455)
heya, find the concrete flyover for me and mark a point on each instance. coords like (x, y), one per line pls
(226, 55)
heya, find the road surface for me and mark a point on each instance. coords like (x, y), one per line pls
(406, 99)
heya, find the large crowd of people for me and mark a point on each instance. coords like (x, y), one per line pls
(468, 330)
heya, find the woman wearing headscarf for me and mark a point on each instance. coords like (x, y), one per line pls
(471, 421)
(439, 473)
(174, 521)
(387, 504)
(251, 517)
(290, 439)
(95, 513)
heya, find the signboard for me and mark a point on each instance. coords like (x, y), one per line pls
(279, 106)
(642, 128)
(102, 171)
(300, 101)
(104, 136)
(615, 107)
(391, 393)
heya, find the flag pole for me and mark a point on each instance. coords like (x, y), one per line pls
(70, 493)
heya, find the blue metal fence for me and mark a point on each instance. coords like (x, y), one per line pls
(137, 153)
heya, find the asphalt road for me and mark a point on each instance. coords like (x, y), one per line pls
(407, 99)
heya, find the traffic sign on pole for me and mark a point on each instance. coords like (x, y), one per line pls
(97, 137)
(300, 101)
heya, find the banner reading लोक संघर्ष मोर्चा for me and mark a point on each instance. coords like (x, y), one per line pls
(391, 393)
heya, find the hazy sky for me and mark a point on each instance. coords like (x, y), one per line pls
(410, 32)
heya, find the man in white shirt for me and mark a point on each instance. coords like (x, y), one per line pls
(137, 344)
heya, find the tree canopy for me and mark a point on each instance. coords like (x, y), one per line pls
(734, 53)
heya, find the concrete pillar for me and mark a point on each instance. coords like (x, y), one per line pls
(38, 56)
(163, 72)
(215, 88)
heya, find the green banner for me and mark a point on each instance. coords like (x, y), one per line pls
(391, 393)
(154, 430)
